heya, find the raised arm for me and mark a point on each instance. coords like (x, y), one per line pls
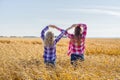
(43, 32)
(53, 26)
(59, 36)
(74, 25)
(68, 34)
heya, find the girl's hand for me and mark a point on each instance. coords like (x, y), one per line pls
(74, 25)
(52, 26)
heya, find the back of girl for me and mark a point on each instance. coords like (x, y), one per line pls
(77, 43)
(50, 44)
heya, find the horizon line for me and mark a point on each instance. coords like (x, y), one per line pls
(39, 37)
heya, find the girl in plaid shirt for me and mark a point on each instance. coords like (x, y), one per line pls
(77, 42)
(50, 44)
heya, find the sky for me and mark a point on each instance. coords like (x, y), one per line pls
(29, 17)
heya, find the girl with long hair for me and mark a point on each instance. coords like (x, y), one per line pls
(77, 42)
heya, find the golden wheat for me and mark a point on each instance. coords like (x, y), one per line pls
(21, 59)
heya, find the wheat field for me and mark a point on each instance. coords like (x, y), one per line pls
(21, 59)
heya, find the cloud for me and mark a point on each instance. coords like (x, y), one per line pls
(106, 11)
(107, 7)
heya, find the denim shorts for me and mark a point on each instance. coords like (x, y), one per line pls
(51, 62)
(75, 57)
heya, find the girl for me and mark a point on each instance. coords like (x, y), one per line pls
(77, 42)
(50, 44)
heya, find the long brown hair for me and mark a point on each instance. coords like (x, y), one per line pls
(49, 39)
(77, 35)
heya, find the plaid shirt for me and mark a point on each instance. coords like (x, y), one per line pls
(74, 48)
(50, 52)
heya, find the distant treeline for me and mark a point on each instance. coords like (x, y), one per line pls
(23, 36)
(18, 36)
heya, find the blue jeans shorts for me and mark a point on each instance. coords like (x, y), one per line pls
(51, 62)
(75, 57)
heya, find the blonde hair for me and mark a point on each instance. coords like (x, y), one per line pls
(49, 39)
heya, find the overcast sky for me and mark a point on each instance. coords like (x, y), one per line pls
(29, 17)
